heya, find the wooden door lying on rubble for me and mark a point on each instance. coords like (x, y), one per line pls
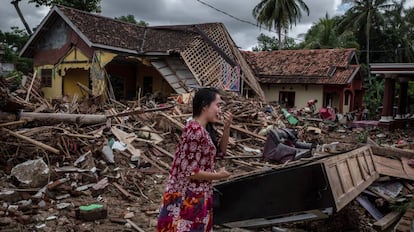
(303, 191)
(70, 80)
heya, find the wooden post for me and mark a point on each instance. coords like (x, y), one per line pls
(30, 87)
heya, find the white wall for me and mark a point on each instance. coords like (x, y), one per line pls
(302, 93)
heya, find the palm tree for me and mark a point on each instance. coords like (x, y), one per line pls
(399, 30)
(363, 15)
(279, 14)
(324, 34)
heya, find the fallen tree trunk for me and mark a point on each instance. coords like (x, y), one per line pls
(62, 117)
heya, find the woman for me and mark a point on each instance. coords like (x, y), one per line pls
(188, 200)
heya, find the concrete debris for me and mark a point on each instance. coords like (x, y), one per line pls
(32, 173)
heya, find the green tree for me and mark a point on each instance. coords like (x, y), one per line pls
(266, 43)
(324, 34)
(131, 19)
(13, 42)
(84, 5)
(399, 32)
(279, 14)
(362, 17)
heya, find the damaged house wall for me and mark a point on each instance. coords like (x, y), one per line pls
(205, 51)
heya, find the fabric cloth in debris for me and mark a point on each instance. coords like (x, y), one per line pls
(187, 204)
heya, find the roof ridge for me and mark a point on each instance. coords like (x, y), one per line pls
(98, 15)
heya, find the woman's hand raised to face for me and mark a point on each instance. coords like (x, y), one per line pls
(227, 119)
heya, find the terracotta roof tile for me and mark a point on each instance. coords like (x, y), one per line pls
(107, 31)
(322, 66)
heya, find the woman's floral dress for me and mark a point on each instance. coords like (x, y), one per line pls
(188, 204)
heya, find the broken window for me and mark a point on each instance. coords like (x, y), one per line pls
(287, 99)
(148, 82)
(46, 77)
(347, 96)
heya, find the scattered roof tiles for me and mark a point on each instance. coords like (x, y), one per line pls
(321, 66)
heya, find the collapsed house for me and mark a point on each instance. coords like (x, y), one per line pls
(82, 54)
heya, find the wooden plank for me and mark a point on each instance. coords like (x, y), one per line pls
(248, 132)
(387, 221)
(13, 123)
(125, 193)
(31, 85)
(137, 228)
(37, 143)
(126, 138)
(346, 177)
(394, 167)
(389, 151)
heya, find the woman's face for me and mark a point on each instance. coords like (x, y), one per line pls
(212, 112)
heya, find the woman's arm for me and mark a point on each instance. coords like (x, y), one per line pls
(210, 176)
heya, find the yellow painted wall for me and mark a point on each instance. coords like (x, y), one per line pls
(302, 93)
(56, 90)
(70, 88)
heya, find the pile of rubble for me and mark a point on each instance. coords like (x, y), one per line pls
(89, 165)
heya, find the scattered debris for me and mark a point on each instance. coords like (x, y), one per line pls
(85, 160)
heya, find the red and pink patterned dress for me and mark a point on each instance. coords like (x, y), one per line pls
(188, 204)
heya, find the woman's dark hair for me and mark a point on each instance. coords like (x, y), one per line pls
(204, 97)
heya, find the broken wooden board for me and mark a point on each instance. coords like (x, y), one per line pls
(394, 167)
(391, 151)
(387, 221)
(127, 139)
(349, 174)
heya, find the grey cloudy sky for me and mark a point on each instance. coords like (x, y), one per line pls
(170, 12)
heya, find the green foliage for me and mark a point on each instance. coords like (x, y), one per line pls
(324, 34)
(84, 5)
(362, 137)
(131, 19)
(267, 43)
(373, 96)
(13, 42)
(402, 206)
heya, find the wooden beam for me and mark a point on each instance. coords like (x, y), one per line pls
(137, 228)
(387, 221)
(37, 143)
(248, 132)
(30, 87)
(390, 151)
(13, 123)
(140, 111)
(63, 117)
